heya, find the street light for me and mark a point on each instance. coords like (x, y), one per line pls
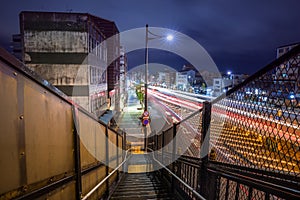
(229, 73)
(146, 112)
(154, 36)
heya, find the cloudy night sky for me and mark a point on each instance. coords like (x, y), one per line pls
(240, 36)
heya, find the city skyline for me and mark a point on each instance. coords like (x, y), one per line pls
(239, 37)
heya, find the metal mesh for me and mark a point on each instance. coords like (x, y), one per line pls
(189, 134)
(187, 170)
(232, 190)
(256, 194)
(257, 125)
(188, 131)
(222, 191)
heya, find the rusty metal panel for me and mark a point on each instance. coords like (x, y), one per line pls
(65, 192)
(120, 150)
(100, 143)
(91, 179)
(112, 147)
(9, 123)
(92, 140)
(48, 134)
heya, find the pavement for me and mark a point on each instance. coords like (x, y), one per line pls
(129, 122)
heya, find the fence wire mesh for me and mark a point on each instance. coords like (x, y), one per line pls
(257, 125)
(189, 135)
(230, 189)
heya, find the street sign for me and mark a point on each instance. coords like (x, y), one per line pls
(145, 118)
(145, 122)
(146, 113)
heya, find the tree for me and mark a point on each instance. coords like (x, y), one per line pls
(140, 94)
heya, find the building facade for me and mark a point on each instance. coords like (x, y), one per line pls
(181, 81)
(287, 75)
(284, 49)
(228, 81)
(71, 52)
(123, 78)
(111, 32)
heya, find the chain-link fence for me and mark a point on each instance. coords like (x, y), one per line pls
(257, 124)
(253, 138)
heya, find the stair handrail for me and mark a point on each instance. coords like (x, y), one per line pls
(105, 179)
(179, 179)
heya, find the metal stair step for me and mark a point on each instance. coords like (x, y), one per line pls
(141, 186)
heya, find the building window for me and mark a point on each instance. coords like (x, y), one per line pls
(97, 75)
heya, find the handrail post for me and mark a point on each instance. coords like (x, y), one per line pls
(157, 142)
(77, 153)
(107, 161)
(203, 178)
(173, 155)
(162, 147)
(117, 154)
(123, 143)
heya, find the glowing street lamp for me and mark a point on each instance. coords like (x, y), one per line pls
(170, 37)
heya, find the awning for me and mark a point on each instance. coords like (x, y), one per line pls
(107, 116)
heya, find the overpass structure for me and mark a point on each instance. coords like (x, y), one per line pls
(52, 148)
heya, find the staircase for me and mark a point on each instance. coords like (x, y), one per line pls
(142, 186)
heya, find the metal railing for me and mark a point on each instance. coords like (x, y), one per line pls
(253, 130)
(106, 178)
(180, 183)
(49, 146)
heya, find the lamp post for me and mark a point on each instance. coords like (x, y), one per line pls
(154, 36)
(147, 39)
(146, 70)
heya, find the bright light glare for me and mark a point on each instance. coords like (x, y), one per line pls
(170, 37)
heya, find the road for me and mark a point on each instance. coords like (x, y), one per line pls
(242, 136)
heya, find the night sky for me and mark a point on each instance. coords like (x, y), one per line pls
(239, 35)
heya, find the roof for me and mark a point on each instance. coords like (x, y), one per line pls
(108, 115)
(292, 44)
(95, 19)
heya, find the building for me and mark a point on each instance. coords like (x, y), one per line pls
(190, 72)
(228, 81)
(181, 81)
(284, 49)
(221, 85)
(17, 46)
(238, 78)
(287, 75)
(111, 32)
(123, 77)
(70, 51)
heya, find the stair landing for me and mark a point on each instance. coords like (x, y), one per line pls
(141, 186)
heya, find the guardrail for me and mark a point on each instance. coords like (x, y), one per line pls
(253, 130)
(106, 178)
(49, 146)
(180, 182)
